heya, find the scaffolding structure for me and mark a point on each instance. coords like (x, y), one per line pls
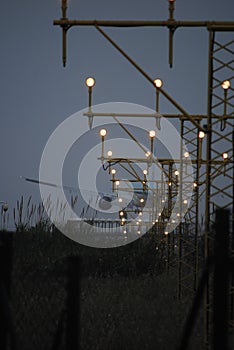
(210, 141)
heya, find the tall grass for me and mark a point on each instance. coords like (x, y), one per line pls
(36, 217)
(28, 216)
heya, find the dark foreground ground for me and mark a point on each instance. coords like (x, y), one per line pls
(126, 299)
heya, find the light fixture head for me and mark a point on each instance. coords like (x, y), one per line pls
(152, 133)
(113, 171)
(103, 132)
(117, 183)
(148, 154)
(225, 155)
(226, 84)
(186, 154)
(90, 82)
(201, 134)
(176, 172)
(158, 83)
(145, 172)
(109, 153)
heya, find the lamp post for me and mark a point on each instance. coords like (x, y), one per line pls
(144, 182)
(225, 85)
(201, 136)
(152, 134)
(158, 84)
(109, 155)
(103, 134)
(172, 28)
(64, 29)
(113, 172)
(186, 156)
(177, 173)
(64, 9)
(225, 158)
(90, 82)
(171, 9)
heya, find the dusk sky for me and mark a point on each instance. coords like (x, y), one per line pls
(37, 93)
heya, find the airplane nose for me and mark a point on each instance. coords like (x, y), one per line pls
(105, 203)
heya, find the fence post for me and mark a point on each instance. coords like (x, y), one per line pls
(221, 274)
(5, 283)
(73, 303)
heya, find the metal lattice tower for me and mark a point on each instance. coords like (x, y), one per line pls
(212, 155)
(220, 142)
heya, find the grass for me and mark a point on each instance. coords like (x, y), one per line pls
(127, 300)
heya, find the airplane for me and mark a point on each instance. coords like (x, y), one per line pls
(106, 201)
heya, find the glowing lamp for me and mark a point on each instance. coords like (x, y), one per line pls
(103, 132)
(90, 82)
(225, 155)
(201, 134)
(152, 133)
(226, 84)
(158, 83)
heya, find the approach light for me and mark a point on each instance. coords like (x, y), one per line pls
(148, 154)
(90, 82)
(117, 183)
(145, 172)
(142, 200)
(109, 153)
(201, 134)
(226, 84)
(186, 154)
(158, 83)
(113, 171)
(185, 201)
(121, 213)
(152, 133)
(120, 200)
(103, 132)
(225, 155)
(176, 172)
